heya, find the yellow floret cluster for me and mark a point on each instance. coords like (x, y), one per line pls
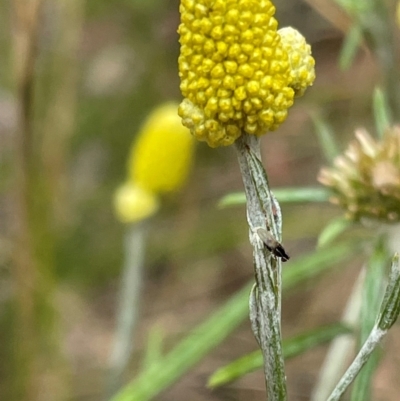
(235, 72)
(301, 62)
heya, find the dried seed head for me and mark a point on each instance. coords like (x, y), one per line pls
(365, 180)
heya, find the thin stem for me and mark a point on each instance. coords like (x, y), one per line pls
(62, 103)
(389, 312)
(204, 337)
(334, 363)
(380, 36)
(128, 305)
(25, 264)
(263, 212)
(360, 360)
(372, 295)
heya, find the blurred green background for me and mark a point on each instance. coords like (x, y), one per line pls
(77, 78)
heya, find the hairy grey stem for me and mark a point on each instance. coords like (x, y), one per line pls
(389, 312)
(360, 360)
(128, 305)
(263, 212)
(337, 355)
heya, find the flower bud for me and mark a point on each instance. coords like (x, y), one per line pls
(132, 203)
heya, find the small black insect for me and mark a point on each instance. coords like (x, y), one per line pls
(272, 244)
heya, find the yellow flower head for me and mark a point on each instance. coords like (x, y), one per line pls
(161, 158)
(159, 162)
(132, 203)
(236, 73)
(365, 180)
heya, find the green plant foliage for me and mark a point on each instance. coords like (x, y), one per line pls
(207, 335)
(382, 112)
(326, 137)
(372, 295)
(332, 230)
(291, 348)
(283, 195)
(350, 47)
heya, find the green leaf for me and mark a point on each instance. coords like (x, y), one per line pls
(382, 112)
(355, 7)
(189, 351)
(350, 47)
(334, 228)
(372, 295)
(390, 307)
(291, 348)
(232, 199)
(283, 195)
(221, 323)
(326, 137)
(154, 347)
(311, 265)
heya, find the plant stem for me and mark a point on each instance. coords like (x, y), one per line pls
(25, 266)
(388, 314)
(360, 360)
(265, 300)
(60, 91)
(128, 305)
(379, 34)
(372, 295)
(335, 360)
(168, 368)
(188, 352)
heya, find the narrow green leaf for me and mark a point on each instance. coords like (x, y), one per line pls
(311, 265)
(305, 341)
(220, 324)
(372, 295)
(350, 47)
(291, 348)
(373, 289)
(303, 194)
(283, 195)
(382, 112)
(332, 230)
(154, 347)
(232, 199)
(390, 307)
(326, 137)
(355, 7)
(236, 369)
(189, 351)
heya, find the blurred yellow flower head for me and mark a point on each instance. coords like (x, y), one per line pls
(365, 180)
(133, 203)
(238, 72)
(159, 162)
